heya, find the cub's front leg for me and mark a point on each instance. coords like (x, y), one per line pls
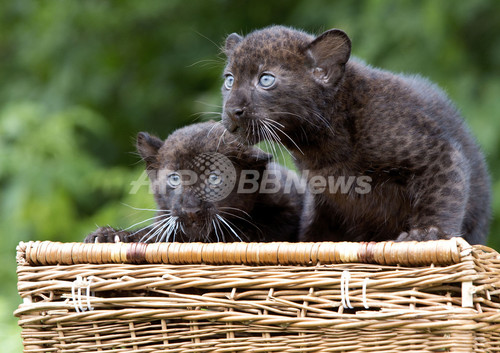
(440, 200)
(423, 234)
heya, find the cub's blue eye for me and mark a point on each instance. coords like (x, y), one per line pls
(214, 179)
(174, 180)
(267, 80)
(228, 83)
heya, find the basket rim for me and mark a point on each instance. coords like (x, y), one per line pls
(413, 253)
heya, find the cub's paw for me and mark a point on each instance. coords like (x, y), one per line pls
(423, 234)
(107, 235)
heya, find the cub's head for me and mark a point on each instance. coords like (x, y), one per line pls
(195, 174)
(277, 83)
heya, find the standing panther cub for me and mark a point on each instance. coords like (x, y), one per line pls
(195, 175)
(341, 118)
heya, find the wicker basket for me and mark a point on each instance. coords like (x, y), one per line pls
(440, 296)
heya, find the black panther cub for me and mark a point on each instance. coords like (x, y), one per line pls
(341, 118)
(207, 188)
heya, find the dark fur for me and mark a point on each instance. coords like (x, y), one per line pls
(262, 217)
(429, 178)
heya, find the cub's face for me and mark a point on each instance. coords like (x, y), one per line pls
(275, 82)
(195, 175)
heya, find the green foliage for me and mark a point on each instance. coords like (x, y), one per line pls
(79, 79)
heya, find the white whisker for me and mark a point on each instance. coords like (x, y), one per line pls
(148, 219)
(269, 121)
(228, 226)
(219, 226)
(181, 226)
(204, 61)
(207, 113)
(274, 122)
(316, 114)
(234, 208)
(170, 228)
(235, 216)
(243, 219)
(233, 225)
(215, 230)
(156, 235)
(212, 128)
(146, 209)
(275, 138)
(220, 138)
(154, 229)
(266, 139)
(209, 105)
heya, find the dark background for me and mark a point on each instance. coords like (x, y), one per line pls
(79, 79)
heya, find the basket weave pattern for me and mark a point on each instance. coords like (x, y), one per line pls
(441, 296)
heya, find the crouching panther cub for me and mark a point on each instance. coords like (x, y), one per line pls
(208, 188)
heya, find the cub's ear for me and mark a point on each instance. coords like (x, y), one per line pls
(232, 41)
(148, 146)
(328, 55)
